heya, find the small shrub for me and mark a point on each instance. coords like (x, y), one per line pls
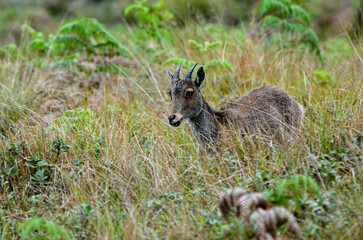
(151, 20)
(295, 188)
(203, 49)
(73, 38)
(287, 25)
(19, 167)
(43, 229)
(58, 147)
(10, 51)
(323, 78)
(73, 120)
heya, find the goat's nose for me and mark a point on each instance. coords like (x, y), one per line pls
(171, 118)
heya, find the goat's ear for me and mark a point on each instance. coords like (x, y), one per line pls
(200, 77)
(170, 74)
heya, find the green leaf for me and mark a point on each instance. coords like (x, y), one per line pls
(185, 62)
(134, 7)
(196, 44)
(213, 45)
(228, 65)
(300, 13)
(169, 15)
(275, 6)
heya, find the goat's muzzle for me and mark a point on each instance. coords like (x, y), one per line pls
(175, 120)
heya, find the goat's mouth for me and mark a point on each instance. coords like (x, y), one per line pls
(175, 119)
(175, 124)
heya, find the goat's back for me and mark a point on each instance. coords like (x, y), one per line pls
(269, 102)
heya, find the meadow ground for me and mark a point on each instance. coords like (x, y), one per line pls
(115, 169)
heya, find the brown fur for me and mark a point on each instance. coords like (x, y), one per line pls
(267, 111)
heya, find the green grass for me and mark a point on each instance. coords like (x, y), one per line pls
(119, 171)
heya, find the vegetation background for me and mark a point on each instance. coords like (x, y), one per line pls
(85, 148)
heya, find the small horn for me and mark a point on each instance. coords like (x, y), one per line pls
(170, 74)
(177, 71)
(190, 72)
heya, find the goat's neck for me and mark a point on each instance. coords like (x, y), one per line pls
(205, 125)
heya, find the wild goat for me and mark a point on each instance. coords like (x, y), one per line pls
(266, 110)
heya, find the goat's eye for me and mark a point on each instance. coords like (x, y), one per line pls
(189, 93)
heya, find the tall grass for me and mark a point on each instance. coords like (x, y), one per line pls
(124, 173)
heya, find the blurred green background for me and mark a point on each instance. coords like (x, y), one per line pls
(329, 17)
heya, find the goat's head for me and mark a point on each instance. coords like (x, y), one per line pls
(185, 94)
